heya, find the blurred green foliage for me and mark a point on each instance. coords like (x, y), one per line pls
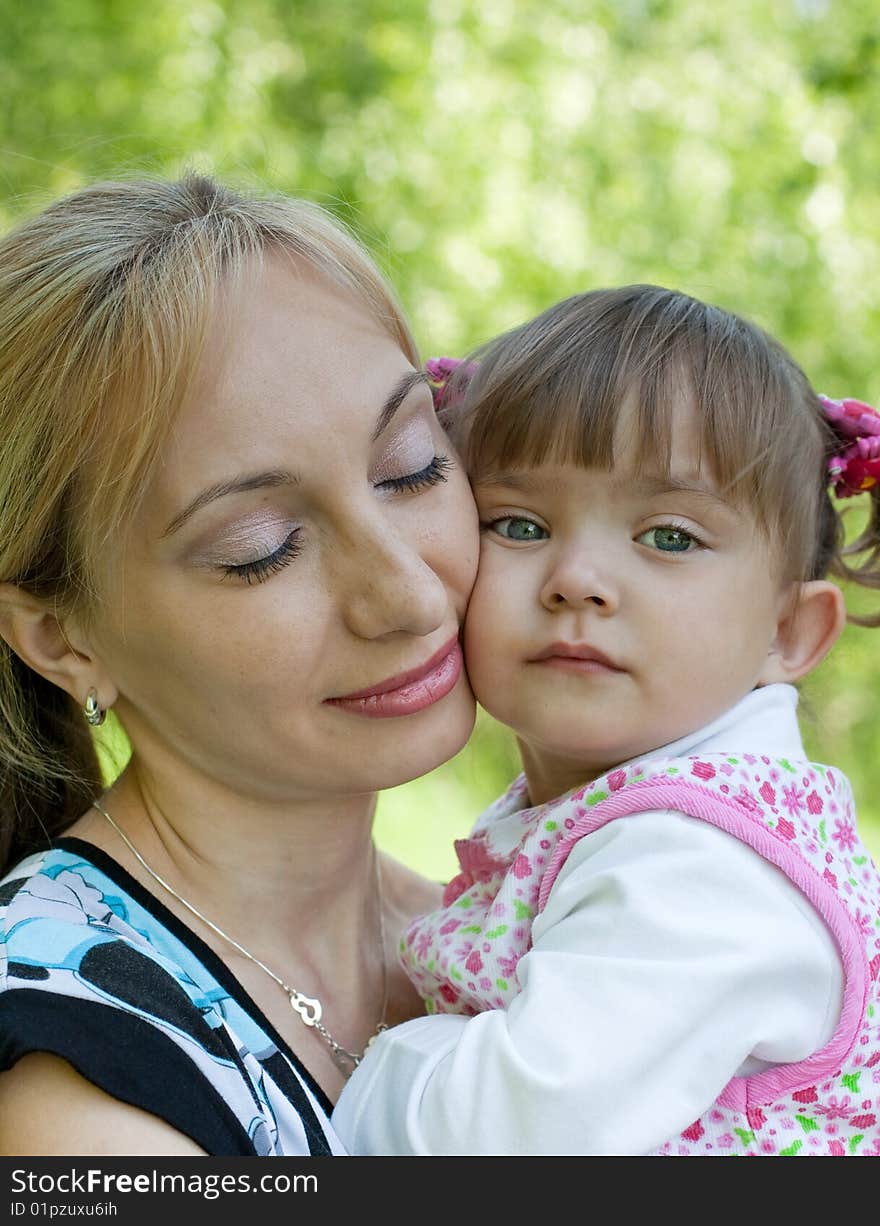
(497, 155)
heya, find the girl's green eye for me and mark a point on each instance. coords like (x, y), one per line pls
(516, 528)
(668, 540)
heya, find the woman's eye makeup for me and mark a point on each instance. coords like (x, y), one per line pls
(408, 464)
(516, 528)
(408, 461)
(259, 569)
(431, 474)
(669, 538)
(256, 570)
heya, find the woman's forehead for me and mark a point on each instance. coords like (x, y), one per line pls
(294, 353)
(288, 326)
(300, 374)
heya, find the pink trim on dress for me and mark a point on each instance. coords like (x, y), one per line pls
(652, 794)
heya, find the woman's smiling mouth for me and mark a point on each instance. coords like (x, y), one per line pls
(410, 691)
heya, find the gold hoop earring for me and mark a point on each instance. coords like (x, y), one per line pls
(92, 711)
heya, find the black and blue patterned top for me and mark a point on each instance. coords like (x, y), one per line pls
(96, 970)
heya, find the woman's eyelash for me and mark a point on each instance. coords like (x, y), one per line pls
(434, 472)
(262, 568)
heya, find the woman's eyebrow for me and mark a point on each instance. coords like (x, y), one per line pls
(238, 485)
(396, 397)
(267, 480)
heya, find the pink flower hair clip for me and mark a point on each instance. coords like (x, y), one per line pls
(440, 372)
(856, 467)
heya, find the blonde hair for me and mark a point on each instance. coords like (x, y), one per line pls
(106, 298)
(553, 390)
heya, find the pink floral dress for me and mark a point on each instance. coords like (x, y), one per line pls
(795, 814)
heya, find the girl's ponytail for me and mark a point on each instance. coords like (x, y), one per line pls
(866, 572)
(853, 467)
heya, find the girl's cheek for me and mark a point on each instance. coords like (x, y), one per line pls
(483, 621)
(480, 597)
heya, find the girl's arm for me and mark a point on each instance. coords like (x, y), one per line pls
(669, 958)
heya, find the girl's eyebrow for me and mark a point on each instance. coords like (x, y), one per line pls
(645, 485)
(693, 486)
(525, 482)
(532, 482)
(529, 482)
(671, 484)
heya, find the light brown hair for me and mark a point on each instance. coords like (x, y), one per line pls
(553, 389)
(106, 298)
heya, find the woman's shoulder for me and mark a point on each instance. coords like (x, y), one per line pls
(101, 976)
(76, 928)
(51, 896)
(407, 892)
(66, 948)
(59, 905)
(92, 1122)
(73, 937)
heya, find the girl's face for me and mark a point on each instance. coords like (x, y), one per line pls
(308, 538)
(615, 612)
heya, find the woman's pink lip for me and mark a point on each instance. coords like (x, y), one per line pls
(410, 691)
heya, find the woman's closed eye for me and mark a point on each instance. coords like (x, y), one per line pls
(669, 538)
(431, 474)
(258, 569)
(516, 528)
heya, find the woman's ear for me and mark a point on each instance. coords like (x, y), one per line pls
(811, 622)
(56, 652)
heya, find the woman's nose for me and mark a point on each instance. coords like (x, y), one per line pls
(391, 588)
(578, 580)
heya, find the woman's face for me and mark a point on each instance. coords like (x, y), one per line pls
(308, 537)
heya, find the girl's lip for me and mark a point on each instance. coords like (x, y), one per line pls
(576, 654)
(577, 664)
(410, 691)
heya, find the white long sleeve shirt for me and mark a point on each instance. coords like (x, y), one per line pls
(669, 958)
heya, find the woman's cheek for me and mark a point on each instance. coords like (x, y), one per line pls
(462, 542)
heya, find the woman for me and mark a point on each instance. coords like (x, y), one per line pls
(229, 514)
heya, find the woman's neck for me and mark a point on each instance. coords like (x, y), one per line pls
(299, 885)
(306, 863)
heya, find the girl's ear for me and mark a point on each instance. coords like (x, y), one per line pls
(810, 625)
(56, 652)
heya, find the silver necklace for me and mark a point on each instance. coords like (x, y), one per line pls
(309, 1008)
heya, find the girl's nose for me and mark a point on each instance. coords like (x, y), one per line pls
(390, 588)
(578, 581)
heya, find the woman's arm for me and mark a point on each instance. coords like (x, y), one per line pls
(47, 1108)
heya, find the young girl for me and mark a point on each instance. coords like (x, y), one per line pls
(665, 936)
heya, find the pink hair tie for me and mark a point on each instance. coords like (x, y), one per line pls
(856, 467)
(440, 372)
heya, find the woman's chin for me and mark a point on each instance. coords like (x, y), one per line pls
(419, 744)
